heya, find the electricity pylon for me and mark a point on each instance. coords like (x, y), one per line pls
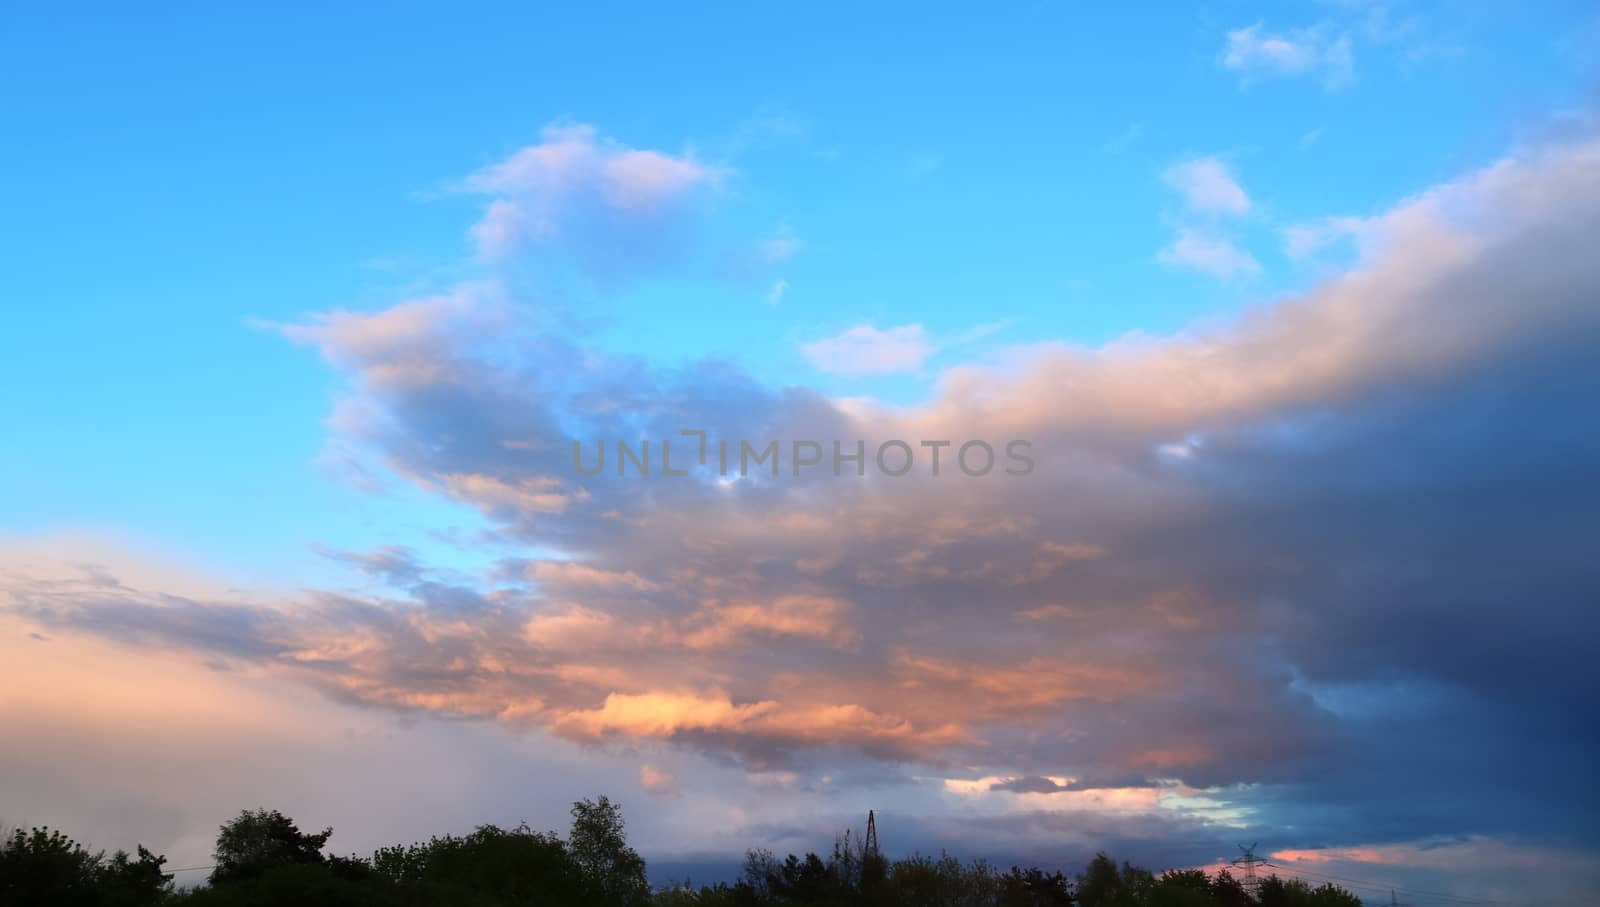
(1248, 862)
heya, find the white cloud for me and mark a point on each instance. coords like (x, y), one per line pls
(1304, 239)
(1210, 254)
(644, 180)
(1207, 185)
(775, 295)
(865, 350)
(1254, 52)
(573, 169)
(779, 247)
(982, 331)
(1208, 188)
(501, 230)
(573, 158)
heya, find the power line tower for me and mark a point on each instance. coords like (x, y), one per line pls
(869, 848)
(1248, 862)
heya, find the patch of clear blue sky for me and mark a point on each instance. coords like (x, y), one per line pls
(173, 172)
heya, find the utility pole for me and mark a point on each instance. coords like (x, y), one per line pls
(870, 847)
(1248, 863)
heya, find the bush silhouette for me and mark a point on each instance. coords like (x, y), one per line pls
(263, 859)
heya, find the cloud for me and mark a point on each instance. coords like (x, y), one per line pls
(1290, 621)
(780, 246)
(403, 346)
(657, 781)
(712, 714)
(1207, 186)
(866, 350)
(664, 714)
(572, 159)
(504, 228)
(759, 263)
(1306, 239)
(1133, 787)
(802, 616)
(1254, 52)
(575, 193)
(644, 181)
(569, 575)
(1029, 785)
(1209, 254)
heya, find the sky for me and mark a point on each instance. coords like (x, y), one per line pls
(1294, 307)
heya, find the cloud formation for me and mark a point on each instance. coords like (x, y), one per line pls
(867, 350)
(1207, 185)
(1210, 192)
(1263, 563)
(1254, 52)
(1309, 238)
(1200, 251)
(588, 196)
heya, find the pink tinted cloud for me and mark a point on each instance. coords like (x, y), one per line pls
(867, 350)
(575, 174)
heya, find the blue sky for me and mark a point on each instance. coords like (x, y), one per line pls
(178, 173)
(230, 230)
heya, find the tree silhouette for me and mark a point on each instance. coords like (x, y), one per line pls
(265, 860)
(45, 868)
(260, 840)
(1227, 891)
(600, 848)
(1181, 888)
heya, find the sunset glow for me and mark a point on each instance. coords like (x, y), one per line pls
(1057, 430)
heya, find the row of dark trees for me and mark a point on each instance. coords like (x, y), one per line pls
(263, 859)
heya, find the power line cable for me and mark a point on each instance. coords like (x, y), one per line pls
(1384, 886)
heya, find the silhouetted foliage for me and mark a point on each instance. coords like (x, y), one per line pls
(265, 860)
(1033, 887)
(1227, 891)
(601, 850)
(129, 881)
(46, 868)
(1276, 892)
(491, 866)
(1181, 888)
(261, 840)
